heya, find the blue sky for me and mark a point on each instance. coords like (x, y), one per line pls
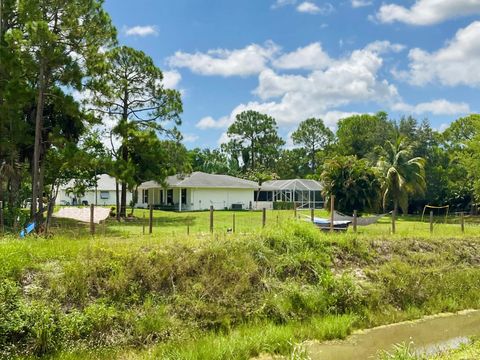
(296, 59)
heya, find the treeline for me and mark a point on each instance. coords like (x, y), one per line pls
(371, 162)
(63, 78)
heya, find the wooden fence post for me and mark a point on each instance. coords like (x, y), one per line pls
(150, 220)
(394, 216)
(462, 221)
(211, 219)
(264, 217)
(2, 225)
(355, 220)
(233, 223)
(312, 214)
(92, 223)
(332, 212)
(431, 222)
(188, 229)
(295, 210)
(143, 223)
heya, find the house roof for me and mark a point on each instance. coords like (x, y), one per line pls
(104, 183)
(294, 184)
(202, 180)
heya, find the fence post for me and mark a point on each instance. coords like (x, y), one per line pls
(188, 229)
(394, 216)
(295, 210)
(355, 218)
(2, 225)
(92, 223)
(143, 223)
(233, 223)
(431, 222)
(462, 221)
(312, 214)
(332, 211)
(211, 219)
(264, 217)
(150, 220)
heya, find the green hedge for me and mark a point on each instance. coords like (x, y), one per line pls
(283, 205)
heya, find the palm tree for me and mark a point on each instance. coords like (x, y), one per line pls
(403, 175)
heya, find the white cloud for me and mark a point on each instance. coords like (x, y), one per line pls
(428, 12)
(240, 62)
(308, 57)
(381, 47)
(309, 7)
(171, 79)
(360, 3)
(436, 107)
(190, 138)
(346, 80)
(458, 63)
(443, 127)
(293, 98)
(209, 122)
(281, 3)
(142, 31)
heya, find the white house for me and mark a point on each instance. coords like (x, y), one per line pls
(104, 194)
(198, 191)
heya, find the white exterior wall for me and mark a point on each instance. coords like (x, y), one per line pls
(202, 199)
(262, 205)
(90, 197)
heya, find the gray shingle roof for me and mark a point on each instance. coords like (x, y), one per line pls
(202, 180)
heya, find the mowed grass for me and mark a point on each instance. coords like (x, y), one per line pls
(166, 223)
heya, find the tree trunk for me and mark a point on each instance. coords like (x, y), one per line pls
(117, 196)
(38, 139)
(123, 204)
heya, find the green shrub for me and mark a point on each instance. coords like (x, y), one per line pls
(283, 205)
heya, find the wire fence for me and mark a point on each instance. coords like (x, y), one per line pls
(163, 223)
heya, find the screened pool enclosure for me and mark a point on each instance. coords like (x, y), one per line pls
(305, 193)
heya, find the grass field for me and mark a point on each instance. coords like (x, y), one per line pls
(125, 295)
(198, 223)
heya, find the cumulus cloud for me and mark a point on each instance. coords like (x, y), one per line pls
(250, 60)
(142, 31)
(190, 138)
(436, 107)
(171, 79)
(293, 98)
(282, 3)
(308, 57)
(428, 12)
(360, 3)
(457, 63)
(309, 7)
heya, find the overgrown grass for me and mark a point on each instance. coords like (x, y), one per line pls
(221, 296)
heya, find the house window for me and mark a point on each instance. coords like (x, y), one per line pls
(145, 196)
(263, 196)
(104, 194)
(184, 196)
(170, 197)
(161, 196)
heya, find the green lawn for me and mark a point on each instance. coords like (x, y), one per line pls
(198, 223)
